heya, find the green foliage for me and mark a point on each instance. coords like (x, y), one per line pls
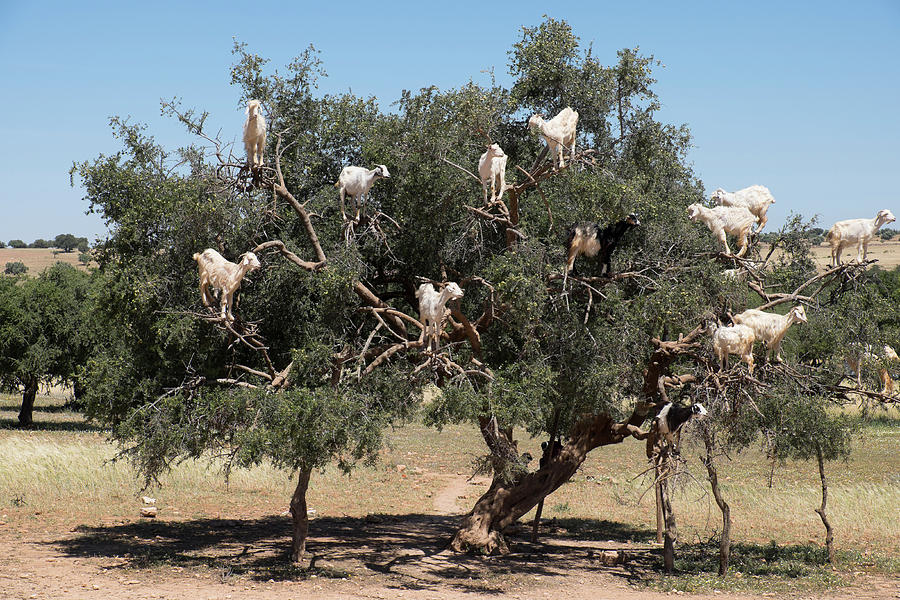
(41, 243)
(16, 267)
(163, 379)
(84, 258)
(17, 244)
(66, 242)
(44, 329)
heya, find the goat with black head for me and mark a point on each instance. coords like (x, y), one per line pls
(672, 416)
(590, 239)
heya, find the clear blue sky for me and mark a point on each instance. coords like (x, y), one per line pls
(799, 96)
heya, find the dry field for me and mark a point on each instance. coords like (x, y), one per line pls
(38, 259)
(70, 525)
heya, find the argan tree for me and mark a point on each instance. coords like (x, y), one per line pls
(325, 349)
(45, 331)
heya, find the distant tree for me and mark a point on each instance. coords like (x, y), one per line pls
(15, 268)
(41, 243)
(887, 234)
(2, 244)
(45, 332)
(17, 244)
(66, 242)
(83, 245)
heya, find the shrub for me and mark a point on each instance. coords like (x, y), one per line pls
(84, 258)
(15, 268)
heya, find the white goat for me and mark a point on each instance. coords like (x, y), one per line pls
(492, 168)
(855, 231)
(254, 134)
(770, 328)
(222, 275)
(735, 339)
(756, 199)
(736, 220)
(432, 309)
(558, 132)
(356, 183)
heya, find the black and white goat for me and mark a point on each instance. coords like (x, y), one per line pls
(672, 416)
(590, 240)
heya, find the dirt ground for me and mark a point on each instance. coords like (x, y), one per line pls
(377, 556)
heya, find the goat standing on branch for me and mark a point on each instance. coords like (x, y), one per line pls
(222, 275)
(722, 220)
(736, 339)
(756, 199)
(672, 416)
(855, 231)
(356, 183)
(590, 239)
(559, 133)
(432, 309)
(492, 168)
(254, 135)
(770, 328)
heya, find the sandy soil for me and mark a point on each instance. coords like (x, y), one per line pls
(378, 556)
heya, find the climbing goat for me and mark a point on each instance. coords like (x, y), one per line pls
(721, 220)
(590, 239)
(356, 183)
(432, 309)
(559, 133)
(672, 416)
(770, 328)
(735, 339)
(254, 135)
(222, 275)
(857, 232)
(756, 199)
(492, 168)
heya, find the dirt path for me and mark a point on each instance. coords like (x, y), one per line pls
(457, 488)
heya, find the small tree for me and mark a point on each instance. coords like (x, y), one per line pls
(41, 243)
(44, 331)
(15, 268)
(17, 244)
(83, 245)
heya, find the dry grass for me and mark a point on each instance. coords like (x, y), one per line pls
(60, 476)
(38, 259)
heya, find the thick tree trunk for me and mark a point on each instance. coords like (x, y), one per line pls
(725, 541)
(504, 503)
(299, 516)
(829, 533)
(26, 413)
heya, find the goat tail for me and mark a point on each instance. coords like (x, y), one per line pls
(337, 184)
(829, 235)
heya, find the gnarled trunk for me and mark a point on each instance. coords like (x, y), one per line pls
(26, 413)
(725, 541)
(505, 502)
(299, 516)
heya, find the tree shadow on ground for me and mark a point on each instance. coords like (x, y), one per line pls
(37, 425)
(411, 550)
